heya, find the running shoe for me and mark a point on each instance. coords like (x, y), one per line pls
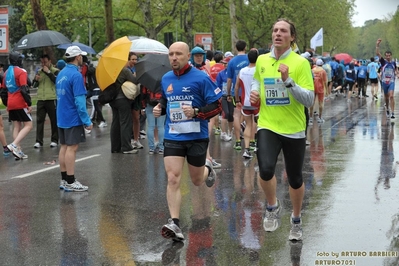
(171, 230)
(75, 187)
(53, 144)
(296, 231)
(237, 146)
(37, 145)
(218, 131)
(320, 120)
(388, 115)
(247, 154)
(210, 180)
(63, 183)
(103, 124)
(137, 145)
(15, 150)
(310, 121)
(272, 218)
(215, 164)
(6, 151)
(225, 137)
(130, 152)
(392, 115)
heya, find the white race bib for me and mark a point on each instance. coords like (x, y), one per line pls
(276, 92)
(176, 111)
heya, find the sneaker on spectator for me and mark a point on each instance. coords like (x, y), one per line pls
(102, 124)
(37, 145)
(171, 230)
(63, 183)
(210, 180)
(142, 132)
(247, 154)
(151, 152)
(296, 230)
(53, 144)
(237, 146)
(75, 187)
(136, 144)
(272, 219)
(160, 151)
(215, 164)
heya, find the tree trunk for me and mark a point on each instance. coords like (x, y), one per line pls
(233, 23)
(109, 21)
(41, 24)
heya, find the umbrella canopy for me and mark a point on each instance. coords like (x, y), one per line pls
(346, 57)
(41, 38)
(112, 61)
(150, 70)
(148, 46)
(82, 47)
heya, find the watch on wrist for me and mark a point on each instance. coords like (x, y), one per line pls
(289, 83)
(196, 111)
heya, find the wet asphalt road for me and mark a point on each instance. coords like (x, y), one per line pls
(350, 212)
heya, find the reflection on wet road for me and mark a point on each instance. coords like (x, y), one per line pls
(350, 216)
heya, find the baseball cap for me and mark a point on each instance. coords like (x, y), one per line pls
(319, 62)
(226, 60)
(228, 54)
(73, 51)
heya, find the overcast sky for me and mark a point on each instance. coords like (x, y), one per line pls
(372, 9)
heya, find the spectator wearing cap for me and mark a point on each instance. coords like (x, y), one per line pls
(228, 54)
(320, 86)
(72, 117)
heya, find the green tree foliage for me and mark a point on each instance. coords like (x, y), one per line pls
(76, 19)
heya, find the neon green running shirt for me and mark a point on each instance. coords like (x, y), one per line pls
(279, 111)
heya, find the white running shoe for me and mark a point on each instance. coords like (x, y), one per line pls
(75, 187)
(136, 144)
(102, 124)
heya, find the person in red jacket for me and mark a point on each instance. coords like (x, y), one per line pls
(18, 102)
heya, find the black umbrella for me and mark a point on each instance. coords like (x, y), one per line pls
(150, 70)
(41, 38)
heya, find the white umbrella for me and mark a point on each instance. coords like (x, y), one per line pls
(148, 46)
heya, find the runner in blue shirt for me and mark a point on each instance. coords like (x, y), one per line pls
(233, 68)
(189, 98)
(361, 79)
(372, 70)
(388, 73)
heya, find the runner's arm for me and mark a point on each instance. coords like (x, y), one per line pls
(302, 95)
(210, 110)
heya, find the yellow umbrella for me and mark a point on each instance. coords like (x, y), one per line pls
(112, 61)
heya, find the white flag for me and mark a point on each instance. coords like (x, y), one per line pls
(317, 40)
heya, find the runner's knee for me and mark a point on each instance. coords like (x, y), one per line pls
(295, 183)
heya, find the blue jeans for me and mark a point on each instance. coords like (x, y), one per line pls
(153, 122)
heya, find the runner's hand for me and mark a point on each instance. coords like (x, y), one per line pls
(283, 69)
(89, 127)
(157, 110)
(254, 97)
(188, 111)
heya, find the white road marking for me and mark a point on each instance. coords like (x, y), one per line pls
(52, 167)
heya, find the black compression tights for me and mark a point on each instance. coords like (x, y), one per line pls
(269, 146)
